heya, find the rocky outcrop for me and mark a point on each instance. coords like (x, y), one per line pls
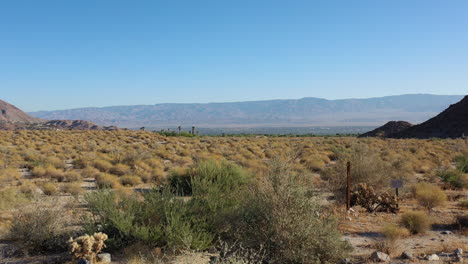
(451, 123)
(388, 129)
(12, 118)
(11, 114)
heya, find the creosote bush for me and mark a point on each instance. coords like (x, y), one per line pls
(429, 195)
(279, 215)
(40, 229)
(416, 222)
(366, 167)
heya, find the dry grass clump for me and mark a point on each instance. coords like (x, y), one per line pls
(72, 188)
(87, 247)
(105, 180)
(9, 174)
(39, 229)
(429, 195)
(416, 222)
(393, 232)
(119, 169)
(11, 198)
(72, 176)
(102, 165)
(89, 172)
(49, 188)
(130, 180)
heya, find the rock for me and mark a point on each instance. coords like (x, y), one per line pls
(446, 232)
(406, 255)
(432, 257)
(104, 257)
(83, 261)
(458, 251)
(346, 261)
(348, 218)
(378, 256)
(458, 258)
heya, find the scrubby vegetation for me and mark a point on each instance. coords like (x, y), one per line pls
(416, 222)
(249, 199)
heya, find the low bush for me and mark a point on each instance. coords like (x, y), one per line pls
(416, 222)
(454, 178)
(73, 188)
(462, 163)
(9, 174)
(366, 167)
(11, 198)
(462, 221)
(119, 169)
(40, 229)
(279, 214)
(393, 232)
(130, 180)
(429, 195)
(49, 188)
(72, 176)
(104, 180)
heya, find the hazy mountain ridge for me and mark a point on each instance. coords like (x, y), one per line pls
(306, 111)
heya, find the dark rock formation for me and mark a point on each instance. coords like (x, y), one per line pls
(451, 123)
(388, 129)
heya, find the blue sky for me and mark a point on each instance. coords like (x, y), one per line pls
(69, 54)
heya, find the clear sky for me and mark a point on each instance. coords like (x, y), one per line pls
(67, 54)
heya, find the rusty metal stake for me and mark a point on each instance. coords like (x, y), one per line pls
(348, 185)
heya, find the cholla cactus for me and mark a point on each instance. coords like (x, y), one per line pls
(87, 247)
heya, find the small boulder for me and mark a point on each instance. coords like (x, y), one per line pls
(406, 255)
(83, 261)
(378, 256)
(104, 258)
(346, 261)
(446, 232)
(458, 251)
(432, 257)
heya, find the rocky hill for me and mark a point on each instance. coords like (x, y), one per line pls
(11, 114)
(451, 123)
(13, 118)
(388, 129)
(280, 113)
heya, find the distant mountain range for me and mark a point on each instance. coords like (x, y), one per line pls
(414, 108)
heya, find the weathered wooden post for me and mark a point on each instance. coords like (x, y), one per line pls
(348, 185)
(179, 128)
(193, 130)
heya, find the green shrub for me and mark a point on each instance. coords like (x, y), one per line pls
(463, 203)
(366, 167)
(416, 222)
(11, 198)
(40, 230)
(454, 178)
(429, 195)
(284, 217)
(279, 214)
(462, 163)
